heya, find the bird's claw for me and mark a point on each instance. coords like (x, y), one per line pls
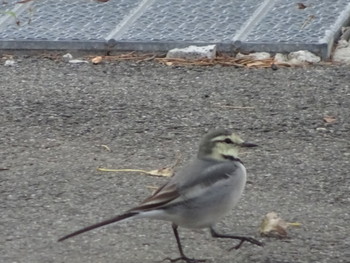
(247, 239)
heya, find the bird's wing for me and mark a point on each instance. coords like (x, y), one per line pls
(165, 194)
(215, 176)
(208, 172)
(190, 182)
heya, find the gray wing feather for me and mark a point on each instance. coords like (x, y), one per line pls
(199, 174)
(206, 173)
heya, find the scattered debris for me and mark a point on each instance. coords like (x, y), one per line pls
(345, 33)
(342, 51)
(106, 147)
(162, 172)
(67, 57)
(301, 56)
(97, 60)
(77, 61)
(342, 55)
(281, 58)
(274, 226)
(222, 61)
(9, 63)
(301, 6)
(193, 52)
(252, 60)
(133, 56)
(329, 119)
(255, 55)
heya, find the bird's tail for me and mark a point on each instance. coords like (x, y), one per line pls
(103, 223)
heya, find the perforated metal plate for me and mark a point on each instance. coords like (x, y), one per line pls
(157, 25)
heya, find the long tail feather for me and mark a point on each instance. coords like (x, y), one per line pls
(103, 223)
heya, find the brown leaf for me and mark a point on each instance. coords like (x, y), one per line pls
(301, 6)
(274, 226)
(258, 63)
(329, 119)
(162, 172)
(97, 60)
(165, 172)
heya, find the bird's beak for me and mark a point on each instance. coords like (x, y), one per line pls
(248, 144)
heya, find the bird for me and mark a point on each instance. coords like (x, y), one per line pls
(199, 194)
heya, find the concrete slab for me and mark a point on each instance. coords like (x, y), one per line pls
(159, 25)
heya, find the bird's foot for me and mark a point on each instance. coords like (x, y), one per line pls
(247, 239)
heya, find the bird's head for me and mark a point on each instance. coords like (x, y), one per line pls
(221, 145)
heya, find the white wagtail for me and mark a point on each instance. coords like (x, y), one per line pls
(199, 194)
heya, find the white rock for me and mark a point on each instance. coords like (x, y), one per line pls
(77, 61)
(342, 43)
(255, 55)
(193, 52)
(342, 54)
(345, 33)
(9, 63)
(67, 57)
(303, 56)
(282, 58)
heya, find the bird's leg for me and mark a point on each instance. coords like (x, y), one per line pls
(183, 257)
(241, 238)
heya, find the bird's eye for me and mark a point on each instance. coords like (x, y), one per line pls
(228, 141)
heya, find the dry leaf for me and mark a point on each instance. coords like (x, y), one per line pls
(129, 56)
(222, 60)
(166, 172)
(301, 6)
(329, 119)
(162, 172)
(259, 63)
(274, 226)
(97, 60)
(106, 147)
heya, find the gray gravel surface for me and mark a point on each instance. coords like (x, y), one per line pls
(55, 117)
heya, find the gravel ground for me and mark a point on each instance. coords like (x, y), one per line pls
(55, 118)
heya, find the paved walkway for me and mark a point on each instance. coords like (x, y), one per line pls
(158, 25)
